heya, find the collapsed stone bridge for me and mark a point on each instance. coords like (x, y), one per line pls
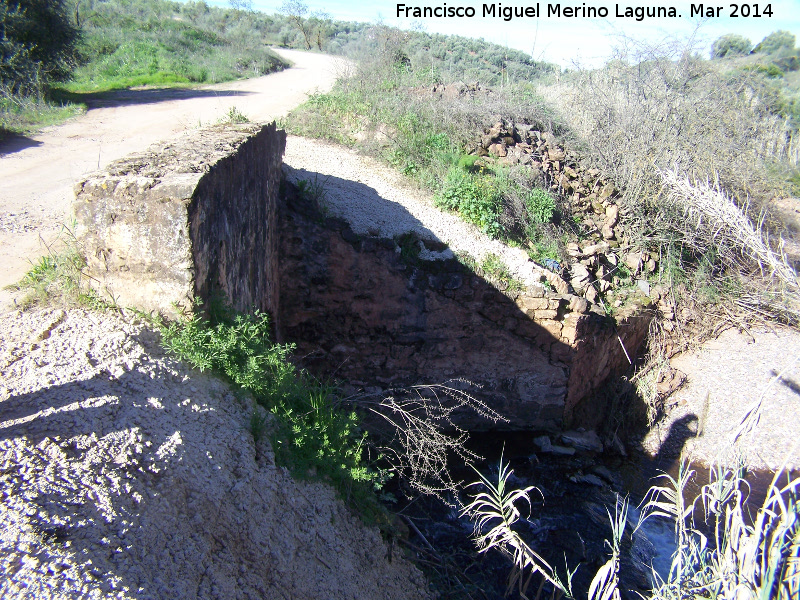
(204, 215)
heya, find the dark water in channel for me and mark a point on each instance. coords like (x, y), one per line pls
(568, 521)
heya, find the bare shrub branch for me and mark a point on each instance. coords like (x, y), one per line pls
(423, 434)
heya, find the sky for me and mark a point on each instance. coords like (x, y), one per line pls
(585, 40)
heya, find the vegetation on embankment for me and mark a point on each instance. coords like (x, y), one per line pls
(117, 44)
(731, 120)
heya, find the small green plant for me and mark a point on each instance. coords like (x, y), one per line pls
(540, 205)
(466, 259)
(235, 116)
(467, 163)
(544, 250)
(496, 271)
(409, 246)
(313, 190)
(58, 277)
(478, 199)
(313, 435)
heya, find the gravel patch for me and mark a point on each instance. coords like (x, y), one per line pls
(126, 475)
(25, 222)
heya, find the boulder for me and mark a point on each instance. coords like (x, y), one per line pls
(582, 440)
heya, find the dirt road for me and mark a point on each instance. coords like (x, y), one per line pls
(37, 174)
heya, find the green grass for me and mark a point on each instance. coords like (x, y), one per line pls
(156, 43)
(25, 116)
(57, 278)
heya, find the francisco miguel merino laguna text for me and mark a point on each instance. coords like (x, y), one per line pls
(553, 10)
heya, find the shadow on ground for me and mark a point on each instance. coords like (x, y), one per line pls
(11, 142)
(134, 97)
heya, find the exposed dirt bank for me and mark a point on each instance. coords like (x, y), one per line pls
(126, 475)
(724, 378)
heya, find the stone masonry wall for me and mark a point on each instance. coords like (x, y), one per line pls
(194, 216)
(363, 311)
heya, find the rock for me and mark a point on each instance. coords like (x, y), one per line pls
(633, 261)
(578, 305)
(590, 479)
(607, 191)
(556, 154)
(582, 440)
(569, 540)
(591, 294)
(543, 443)
(498, 150)
(650, 265)
(598, 248)
(612, 214)
(580, 277)
(603, 472)
(644, 286)
(607, 231)
(562, 451)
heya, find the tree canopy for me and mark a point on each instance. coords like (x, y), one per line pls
(37, 43)
(730, 45)
(776, 41)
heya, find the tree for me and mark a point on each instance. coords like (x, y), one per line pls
(730, 45)
(315, 29)
(296, 10)
(243, 5)
(37, 44)
(775, 41)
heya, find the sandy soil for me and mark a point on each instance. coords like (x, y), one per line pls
(124, 474)
(725, 378)
(37, 174)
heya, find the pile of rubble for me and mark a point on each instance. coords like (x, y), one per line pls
(606, 253)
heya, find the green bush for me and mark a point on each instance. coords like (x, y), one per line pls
(37, 40)
(730, 45)
(478, 199)
(314, 436)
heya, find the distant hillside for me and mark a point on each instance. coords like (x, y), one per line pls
(135, 42)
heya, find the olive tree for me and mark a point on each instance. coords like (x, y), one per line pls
(730, 45)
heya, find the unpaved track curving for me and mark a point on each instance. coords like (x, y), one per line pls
(37, 174)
